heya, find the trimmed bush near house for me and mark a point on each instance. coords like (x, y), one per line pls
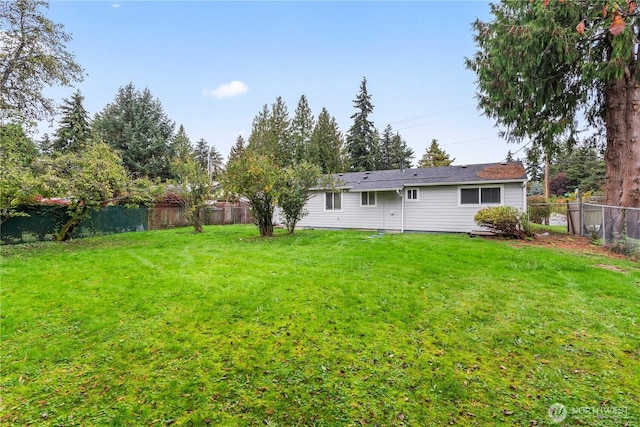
(505, 220)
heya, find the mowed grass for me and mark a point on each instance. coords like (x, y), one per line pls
(323, 328)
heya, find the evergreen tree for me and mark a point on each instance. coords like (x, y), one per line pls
(75, 127)
(270, 133)
(326, 145)
(394, 153)
(237, 149)
(181, 144)
(401, 154)
(136, 126)
(201, 153)
(384, 152)
(582, 166)
(216, 163)
(509, 157)
(534, 169)
(279, 140)
(545, 68)
(361, 137)
(45, 145)
(259, 131)
(301, 129)
(435, 157)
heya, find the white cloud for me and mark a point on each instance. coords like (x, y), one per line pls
(115, 5)
(228, 90)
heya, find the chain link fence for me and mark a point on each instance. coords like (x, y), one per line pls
(612, 226)
(615, 227)
(41, 223)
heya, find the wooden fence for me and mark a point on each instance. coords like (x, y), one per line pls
(163, 216)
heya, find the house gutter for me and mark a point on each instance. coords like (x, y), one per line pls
(398, 191)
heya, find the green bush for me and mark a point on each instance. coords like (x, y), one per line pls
(539, 209)
(505, 220)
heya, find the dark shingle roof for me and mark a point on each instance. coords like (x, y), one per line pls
(464, 174)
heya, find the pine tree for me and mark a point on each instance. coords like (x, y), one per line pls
(326, 145)
(201, 153)
(361, 137)
(384, 149)
(45, 145)
(435, 156)
(237, 150)
(181, 144)
(301, 129)
(401, 154)
(75, 127)
(215, 163)
(279, 140)
(258, 138)
(270, 133)
(136, 126)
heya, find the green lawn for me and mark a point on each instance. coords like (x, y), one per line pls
(323, 328)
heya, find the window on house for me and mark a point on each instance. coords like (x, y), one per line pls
(490, 195)
(368, 198)
(412, 194)
(333, 201)
(481, 196)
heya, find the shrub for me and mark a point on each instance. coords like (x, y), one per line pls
(505, 220)
(539, 209)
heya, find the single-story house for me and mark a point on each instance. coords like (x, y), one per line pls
(441, 199)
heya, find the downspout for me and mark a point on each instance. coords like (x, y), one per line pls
(398, 191)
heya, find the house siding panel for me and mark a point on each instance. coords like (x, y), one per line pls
(384, 216)
(438, 208)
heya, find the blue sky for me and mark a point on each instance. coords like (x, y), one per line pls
(248, 53)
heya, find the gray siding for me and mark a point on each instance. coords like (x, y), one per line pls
(384, 216)
(437, 209)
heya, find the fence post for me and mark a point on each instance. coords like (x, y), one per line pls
(604, 228)
(581, 218)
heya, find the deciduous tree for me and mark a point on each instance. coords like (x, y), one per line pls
(17, 183)
(255, 176)
(294, 190)
(88, 179)
(195, 189)
(33, 55)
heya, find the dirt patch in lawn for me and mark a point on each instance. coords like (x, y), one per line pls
(570, 243)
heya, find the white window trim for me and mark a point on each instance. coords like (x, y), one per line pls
(417, 199)
(375, 199)
(480, 204)
(324, 201)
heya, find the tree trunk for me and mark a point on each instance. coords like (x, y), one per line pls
(622, 156)
(74, 222)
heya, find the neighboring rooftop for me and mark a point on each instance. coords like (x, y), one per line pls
(396, 179)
